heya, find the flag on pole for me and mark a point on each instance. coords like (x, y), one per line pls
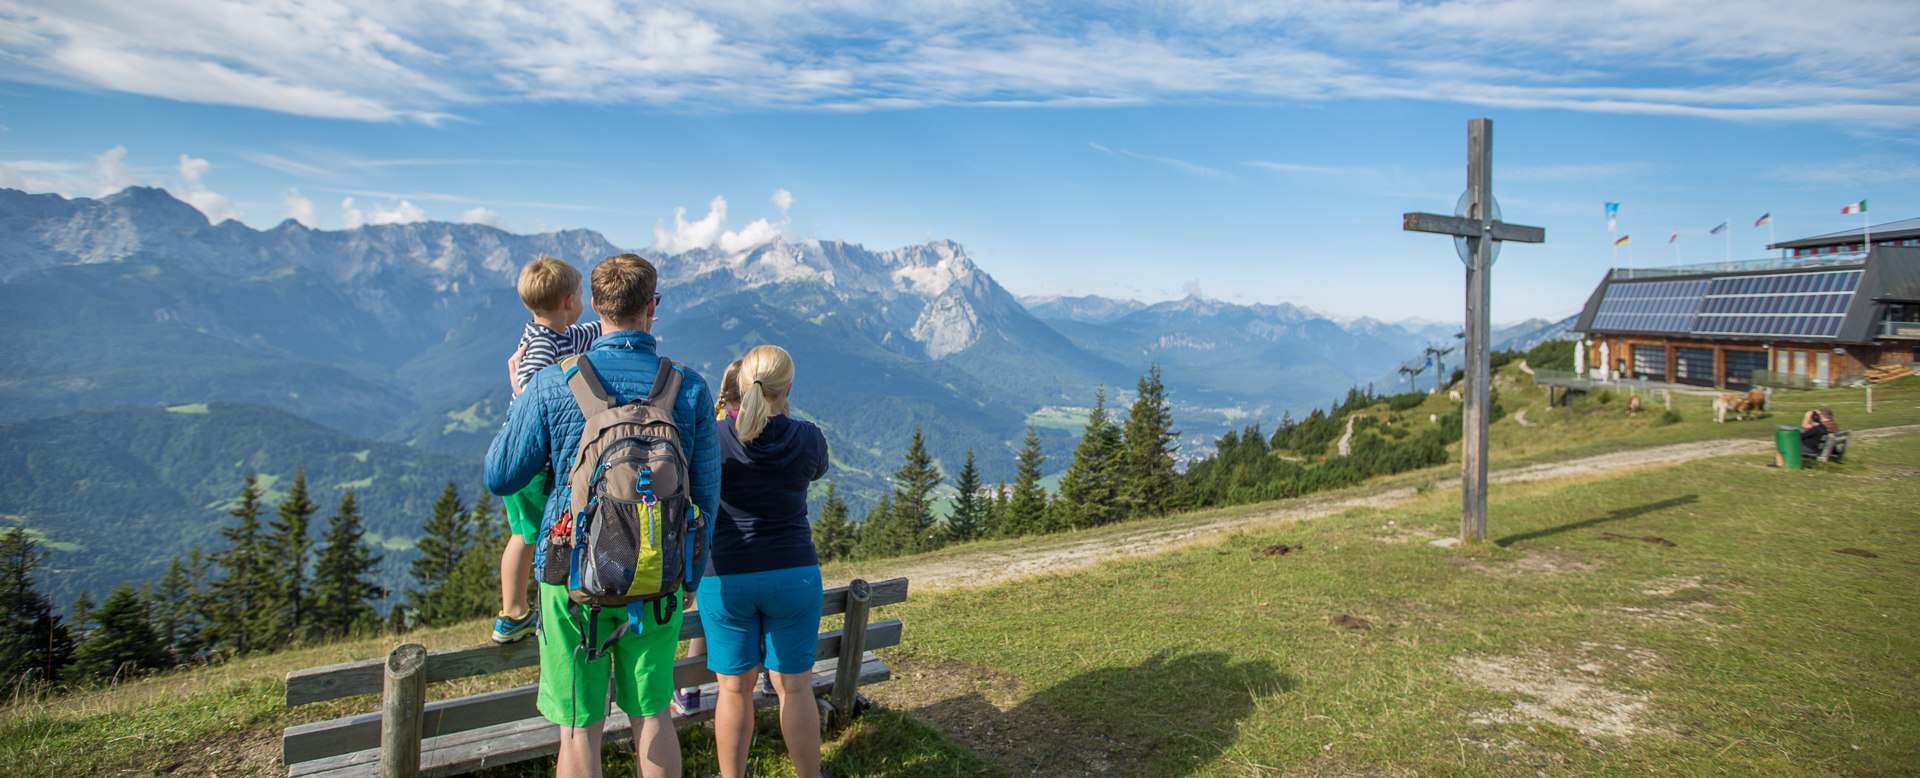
(1859, 207)
(1717, 230)
(1765, 218)
(1623, 240)
(1676, 236)
(1613, 214)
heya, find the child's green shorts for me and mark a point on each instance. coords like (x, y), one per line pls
(526, 507)
(573, 692)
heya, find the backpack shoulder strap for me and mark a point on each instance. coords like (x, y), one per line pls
(666, 386)
(588, 392)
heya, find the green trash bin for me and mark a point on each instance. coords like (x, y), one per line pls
(1786, 440)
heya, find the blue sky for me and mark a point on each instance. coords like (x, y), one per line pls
(1255, 152)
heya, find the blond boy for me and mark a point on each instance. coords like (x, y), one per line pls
(550, 289)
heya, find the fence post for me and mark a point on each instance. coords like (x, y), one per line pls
(853, 646)
(401, 703)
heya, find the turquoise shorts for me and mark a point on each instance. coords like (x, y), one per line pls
(769, 619)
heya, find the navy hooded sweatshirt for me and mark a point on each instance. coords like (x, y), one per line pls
(763, 497)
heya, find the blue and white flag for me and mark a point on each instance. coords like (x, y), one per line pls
(1717, 230)
(1613, 214)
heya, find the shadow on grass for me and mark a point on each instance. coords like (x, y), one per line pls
(1611, 516)
(1170, 715)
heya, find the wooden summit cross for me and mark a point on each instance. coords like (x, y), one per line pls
(1477, 232)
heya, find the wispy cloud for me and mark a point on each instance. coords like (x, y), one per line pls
(1189, 168)
(429, 60)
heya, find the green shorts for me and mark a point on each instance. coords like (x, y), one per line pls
(526, 507)
(573, 692)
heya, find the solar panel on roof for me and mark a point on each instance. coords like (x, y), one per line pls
(1799, 304)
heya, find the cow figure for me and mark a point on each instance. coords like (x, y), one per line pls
(1742, 406)
(1633, 405)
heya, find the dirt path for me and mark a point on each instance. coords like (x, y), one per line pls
(1061, 553)
(1346, 441)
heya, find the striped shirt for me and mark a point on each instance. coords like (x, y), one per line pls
(545, 347)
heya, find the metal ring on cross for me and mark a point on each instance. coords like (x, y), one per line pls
(1460, 208)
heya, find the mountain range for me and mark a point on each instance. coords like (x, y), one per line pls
(398, 334)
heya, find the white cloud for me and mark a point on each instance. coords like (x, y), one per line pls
(420, 61)
(711, 230)
(395, 212)
(216, 206)
(480, 214)
(1189, 168)
(299, 208)
(110, 171)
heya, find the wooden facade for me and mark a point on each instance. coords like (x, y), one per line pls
(1728, 364)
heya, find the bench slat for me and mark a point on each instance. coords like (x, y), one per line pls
(532, 738)
(322, 739)
(365, 676)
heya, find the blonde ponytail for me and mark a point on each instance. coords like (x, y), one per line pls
(766, 375)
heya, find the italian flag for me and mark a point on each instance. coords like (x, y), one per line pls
(1859, 207)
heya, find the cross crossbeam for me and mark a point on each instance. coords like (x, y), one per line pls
(1467, 227)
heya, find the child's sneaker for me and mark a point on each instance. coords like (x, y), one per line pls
(766, 682)
(507, 629)
(686, 700)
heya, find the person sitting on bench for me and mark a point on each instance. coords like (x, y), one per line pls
(1814, 428)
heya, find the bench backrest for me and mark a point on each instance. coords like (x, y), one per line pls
(321, 740)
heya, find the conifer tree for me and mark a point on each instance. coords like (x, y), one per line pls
(1147, 481)
(833, 531)
(1027, 506)
(970, 507)
(243, 588)
(289, 542)
(343, 587)
(913, 486)
(80, 615)
(882, 534)
(34, 643)
(443, 541)
(172, 609)
(996, 512)
(473, 590)
(123, 642)
(1088, 493)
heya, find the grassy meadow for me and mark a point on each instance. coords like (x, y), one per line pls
(1715, 617)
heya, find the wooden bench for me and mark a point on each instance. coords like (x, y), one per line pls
(1835, 447)
(460, 735)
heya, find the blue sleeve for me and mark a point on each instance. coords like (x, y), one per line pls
(521, 449)
(821, 456)
(704, 452)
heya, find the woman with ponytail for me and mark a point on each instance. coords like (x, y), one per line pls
(760, 598)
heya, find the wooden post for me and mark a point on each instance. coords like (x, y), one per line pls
(853, 646)
(1869, 398)
(401, 702)
(1473, 444)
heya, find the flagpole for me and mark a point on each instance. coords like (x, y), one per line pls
(1866, 230)
(1729, 224)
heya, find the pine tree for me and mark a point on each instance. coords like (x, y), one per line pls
(343, 587)
(1088, 493)
(969, 517)
(913, 486)
(123, 643)
(833, 531)
(80, 615)
(1147, 481)
(236, 600)
(171, 609)
(996, 512)
(882, 534)
(1026, 512)
(33, 641)
(473, 590)
(289, 541)
(443, 541)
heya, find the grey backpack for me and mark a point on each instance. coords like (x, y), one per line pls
(629, 531)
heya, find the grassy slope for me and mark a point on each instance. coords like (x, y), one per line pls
(1749, 645)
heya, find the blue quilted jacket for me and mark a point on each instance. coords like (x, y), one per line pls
(543, 425)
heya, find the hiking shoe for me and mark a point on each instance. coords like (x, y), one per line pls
(766, 682)
(507, 629)
(686, 700)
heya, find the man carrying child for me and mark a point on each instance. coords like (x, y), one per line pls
(541, 433)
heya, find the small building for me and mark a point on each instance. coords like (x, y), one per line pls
(1819, 316)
